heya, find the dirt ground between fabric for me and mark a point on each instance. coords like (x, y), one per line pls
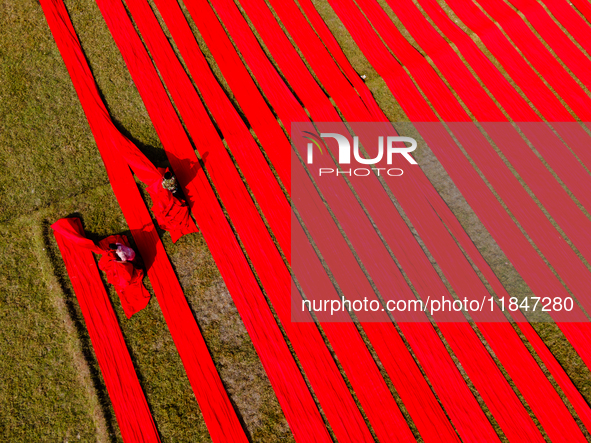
(50, 384)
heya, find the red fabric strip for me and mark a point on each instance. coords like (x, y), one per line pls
(242, 145)
(261, 250)
(497, 221)
(366, 380)
(337, 54)
(357, 29)
(584, 8)
(531, 47)
(285, 68)
(566, 16)
(556, 200)
(484, 109)
(317, 362)
(289, 69)
(317, 57)
(131, 409)
(524, 76)
(309, 93)
(346, 355)
(572, 132)
(217, 410)
(537, 92)
(351, 351)
(422, 337)
(549, 192)
(522, 36)
(283, 102)
(473, 357)
(262, 19)
(447, 61)
(252, 52)
(244, 89)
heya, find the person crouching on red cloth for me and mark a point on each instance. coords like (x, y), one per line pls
(124, 272)
(123, 253)
(170, 184)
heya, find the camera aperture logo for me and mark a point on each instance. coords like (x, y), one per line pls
(394, 145)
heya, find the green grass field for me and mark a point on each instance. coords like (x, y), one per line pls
(50, 384)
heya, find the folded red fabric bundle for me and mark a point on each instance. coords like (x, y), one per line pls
(126, 277)
(171, 214)
(131, 409)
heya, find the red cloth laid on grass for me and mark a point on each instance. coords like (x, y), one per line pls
(218, 412)
(125, 276)
(171, 213)
(131, 409)
(294, 396)
(370, 51)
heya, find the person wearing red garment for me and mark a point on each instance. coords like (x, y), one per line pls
(123, 253)
(125, 272)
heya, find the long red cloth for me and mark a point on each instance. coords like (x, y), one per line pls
(522, 36)
(131, 409)
(369, 46)
(367, 382)
(244, 149)
(253, 105)
(337, 54)
(317, 362)
(330, 77)
(217, 410)
(584, 8)
(288, 68)
(522, 74)
(564, 326)
(305, 420)
(256, 21)
(550, 193)
(532, 170)
(575, 25)
(289, 111)
(344, 418)
(450, 64)
(565, 86)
